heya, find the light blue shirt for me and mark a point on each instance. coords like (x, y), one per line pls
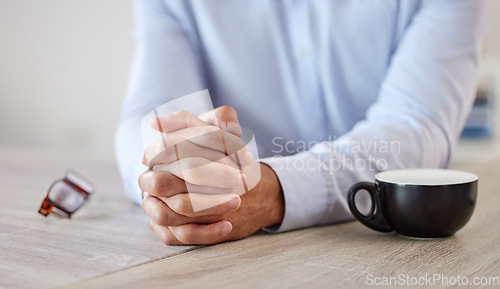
(339, 89)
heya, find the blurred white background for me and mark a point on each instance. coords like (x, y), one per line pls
(64, 67)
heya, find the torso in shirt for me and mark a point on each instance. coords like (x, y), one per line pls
(295, 71)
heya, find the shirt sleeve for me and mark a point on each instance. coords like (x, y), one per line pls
(422, 106)
(166, 65)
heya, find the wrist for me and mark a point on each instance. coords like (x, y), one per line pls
(270, 187)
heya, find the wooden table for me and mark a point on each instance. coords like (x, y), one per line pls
(108, 243)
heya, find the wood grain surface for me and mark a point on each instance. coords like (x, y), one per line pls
(108, 244)
(108, 234)
(337, 256)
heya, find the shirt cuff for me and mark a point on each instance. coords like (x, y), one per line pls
(305, 189)
(132, 183)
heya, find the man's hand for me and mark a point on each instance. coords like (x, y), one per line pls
(173, 219)
(217, 181)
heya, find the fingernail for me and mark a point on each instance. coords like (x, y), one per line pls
(234, 203)
(226, 228)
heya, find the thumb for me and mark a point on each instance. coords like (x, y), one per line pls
(224, 117)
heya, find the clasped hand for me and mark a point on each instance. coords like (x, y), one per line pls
(204, 185)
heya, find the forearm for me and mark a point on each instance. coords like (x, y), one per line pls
(423, 102)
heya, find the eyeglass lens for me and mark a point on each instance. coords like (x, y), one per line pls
(67, 197)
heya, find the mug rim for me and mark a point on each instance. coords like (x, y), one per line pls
(471, 177)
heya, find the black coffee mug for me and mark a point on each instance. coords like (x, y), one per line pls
(420, 203)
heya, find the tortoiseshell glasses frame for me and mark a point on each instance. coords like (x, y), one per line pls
(67, 195)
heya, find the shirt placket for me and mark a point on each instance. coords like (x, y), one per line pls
(309, 92)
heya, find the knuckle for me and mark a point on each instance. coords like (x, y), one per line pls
(175, 205)
(233, 177)
(163, 237)
(158, 183)
(155, 185)
(180, 204)
(182, 113)
(170, 240)
(185, 236)
(161, 217)
(141, 181)
(227, 109)
(167, 239)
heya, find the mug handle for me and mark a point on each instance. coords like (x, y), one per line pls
(374, 219)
